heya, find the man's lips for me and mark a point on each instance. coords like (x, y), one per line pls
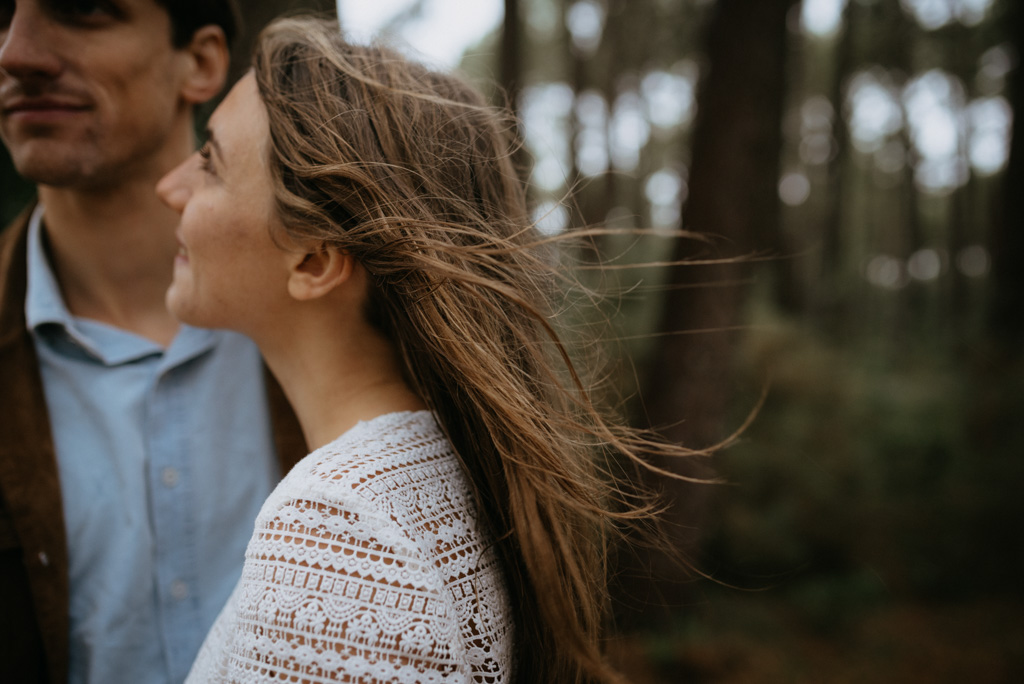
(42, 107)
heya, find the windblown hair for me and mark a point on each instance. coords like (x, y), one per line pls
(411, 172)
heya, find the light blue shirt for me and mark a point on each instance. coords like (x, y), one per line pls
(165, 457)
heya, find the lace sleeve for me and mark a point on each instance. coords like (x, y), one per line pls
(367, 564)
(337, 593)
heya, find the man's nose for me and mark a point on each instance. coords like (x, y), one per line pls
(27, 46)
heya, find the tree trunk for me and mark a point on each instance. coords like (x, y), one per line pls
(826, 305)
(733, 201)
(511, 54)
(1006, 244)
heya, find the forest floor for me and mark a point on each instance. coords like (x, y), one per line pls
(752, 639)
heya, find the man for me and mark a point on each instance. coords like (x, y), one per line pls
(134, 452)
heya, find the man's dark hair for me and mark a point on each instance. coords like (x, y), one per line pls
(188, 16)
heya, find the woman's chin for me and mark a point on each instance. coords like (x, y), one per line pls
(178, 307)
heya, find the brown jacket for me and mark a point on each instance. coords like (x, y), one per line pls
(33, 547)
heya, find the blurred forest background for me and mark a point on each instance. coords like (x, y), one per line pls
(854, 164)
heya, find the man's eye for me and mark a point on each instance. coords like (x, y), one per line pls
(82, 11)
(80, 7)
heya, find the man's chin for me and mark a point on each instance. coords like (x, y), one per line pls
(47, 163)
(49, 175)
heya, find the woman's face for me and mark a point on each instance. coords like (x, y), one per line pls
(229, 272)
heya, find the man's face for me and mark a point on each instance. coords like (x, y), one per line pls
(90, 90)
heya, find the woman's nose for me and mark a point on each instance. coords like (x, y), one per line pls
(173, 189)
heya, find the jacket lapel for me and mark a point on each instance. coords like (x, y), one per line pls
(29, 482)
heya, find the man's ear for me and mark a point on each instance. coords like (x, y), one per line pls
(316, 273)
(208, 61)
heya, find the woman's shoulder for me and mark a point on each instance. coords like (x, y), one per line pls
(385, 514)
(379, 448)
(379, 463)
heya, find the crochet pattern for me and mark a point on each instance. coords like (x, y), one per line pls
(367, 564)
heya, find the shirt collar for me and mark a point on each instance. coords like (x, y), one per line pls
(43, 302)
(45, 311)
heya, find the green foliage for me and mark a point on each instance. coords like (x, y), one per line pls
(869, 471)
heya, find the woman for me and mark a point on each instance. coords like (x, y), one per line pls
(359, 217)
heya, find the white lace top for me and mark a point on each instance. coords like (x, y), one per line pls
(367, 565)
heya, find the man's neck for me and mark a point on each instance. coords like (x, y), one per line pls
(112, 252)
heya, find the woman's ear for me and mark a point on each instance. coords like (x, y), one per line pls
(208, 60)
(316, 273)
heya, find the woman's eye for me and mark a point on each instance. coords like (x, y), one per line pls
(204, 154)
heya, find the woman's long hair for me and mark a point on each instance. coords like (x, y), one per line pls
(411, 172)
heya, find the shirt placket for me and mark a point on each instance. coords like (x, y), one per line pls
(170, 481)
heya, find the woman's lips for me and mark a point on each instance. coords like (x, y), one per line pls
(182, 254)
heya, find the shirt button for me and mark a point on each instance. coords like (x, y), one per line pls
(169, 476)
(179, 590)
(44, 559)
